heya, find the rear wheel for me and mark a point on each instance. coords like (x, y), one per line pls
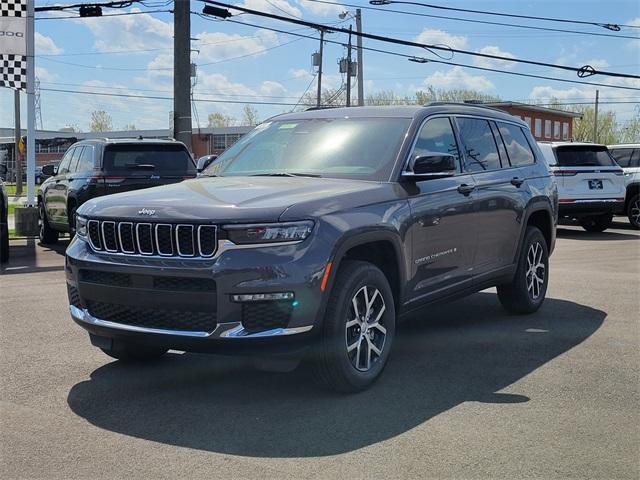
(72, 220)
(633, 211)
(597, 223)
(47, 235)
(527, 291)
(128, 352)
(358, 329)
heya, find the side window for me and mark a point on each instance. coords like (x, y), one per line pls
(85, 163)
(73, 165)
(622, 156)
(635, 160)
(437, 136)
(517, 145)
(480, 150)
(64, 164)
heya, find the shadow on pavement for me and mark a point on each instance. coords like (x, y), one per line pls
(29, 256)
(466, 351)
(584, 235)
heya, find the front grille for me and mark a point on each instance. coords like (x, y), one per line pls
(163, 239)
(261, 316)
(158, 318)
(74, 297)
(184, 284)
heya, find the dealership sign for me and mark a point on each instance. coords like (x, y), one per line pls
(13, 44)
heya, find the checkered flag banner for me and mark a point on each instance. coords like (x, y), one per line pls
(13, 61)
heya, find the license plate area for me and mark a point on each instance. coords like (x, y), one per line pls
(595, 184)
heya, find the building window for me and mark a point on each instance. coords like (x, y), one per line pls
(528, 121)
(218, 142)
(547, 129)
(538, 129)
(232, 138)
(556, 130)
(565, 130)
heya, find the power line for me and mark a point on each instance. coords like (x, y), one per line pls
(413, 57)
(120, 4)
(105, 15)
(483, 22)
(584, 71)
(610, 26)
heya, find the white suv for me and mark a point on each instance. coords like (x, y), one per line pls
(590, 183)
(628, 157)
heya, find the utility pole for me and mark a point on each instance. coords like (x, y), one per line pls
(595, 120)
(319, 96)
(31, 107)
(17, 133)
(360, 65)
(349, 69)
(182, 72)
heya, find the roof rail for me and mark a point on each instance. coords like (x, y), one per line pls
(467, 103)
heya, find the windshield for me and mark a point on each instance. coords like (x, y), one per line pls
(584, 156)
(356, 148)
(159, 159)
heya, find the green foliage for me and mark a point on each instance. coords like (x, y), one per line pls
(218, 120)
(100, 121)
(250, 116)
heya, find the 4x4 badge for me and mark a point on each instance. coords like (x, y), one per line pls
(146, 211)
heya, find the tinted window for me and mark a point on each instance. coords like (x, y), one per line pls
(437, 136)
(583, 156)
(64, 164)
(85, 163)
(134, 159)
(73, 165)
(359, 148)
(480, 150)
(622, 156)
(518, 148)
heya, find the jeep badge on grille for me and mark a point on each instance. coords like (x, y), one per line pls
(146, 211)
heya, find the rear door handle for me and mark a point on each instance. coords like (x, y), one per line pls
(517, 181)
(466, 189)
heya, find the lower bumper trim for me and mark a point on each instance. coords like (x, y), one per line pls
(222, 330)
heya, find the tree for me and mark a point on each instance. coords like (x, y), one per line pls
(250, 116)
(100, 121)
(219, 120)
(129, 127)
(70, 129)
(629, 131)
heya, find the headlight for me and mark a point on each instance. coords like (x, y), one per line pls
(269, 233)
(81, 226)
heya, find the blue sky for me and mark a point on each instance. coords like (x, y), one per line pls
(106, 56)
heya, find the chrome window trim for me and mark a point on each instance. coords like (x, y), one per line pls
(89, 235)
(170, 239)
(103, 239)
(193, 246)
(120, 237)
(215, 239)
(138, 239)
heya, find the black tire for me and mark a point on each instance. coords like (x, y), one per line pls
(633, 211)
(72, 220)
(334, 365)
(47, 235)
(131, 353)
(525, 294)
(597, 223)
(4, 243)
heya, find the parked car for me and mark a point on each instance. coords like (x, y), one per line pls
(317, 232)
(590, 183)
(93, 168)
(4, 220)
(628, 157)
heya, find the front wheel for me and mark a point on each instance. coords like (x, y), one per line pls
(598, 223)
(358, 329)
(46, 234)
(633, 211)
(527, 291)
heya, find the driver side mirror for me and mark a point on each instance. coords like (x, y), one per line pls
(50, 170)
(431, 165)
(204, 162)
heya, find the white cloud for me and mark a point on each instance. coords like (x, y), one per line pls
(270, 87)
(440, 37)
(324, 9)
(300, 73)
(597, 63)
(277, 7)
(45, 75)
(634, 44)
(215, 46)
(491, 62)
(45, 45)
(457, 77)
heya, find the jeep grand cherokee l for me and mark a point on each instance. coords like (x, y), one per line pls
(628, 157)
(317, 233)
(92, 168)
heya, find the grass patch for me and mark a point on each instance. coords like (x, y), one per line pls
(12, 208)
(11, 189)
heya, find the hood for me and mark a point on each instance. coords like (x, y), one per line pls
(233, 199)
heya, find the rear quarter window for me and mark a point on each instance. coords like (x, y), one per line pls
(160, 159)
(518, 148)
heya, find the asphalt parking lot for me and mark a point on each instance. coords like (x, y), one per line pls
(470, 392)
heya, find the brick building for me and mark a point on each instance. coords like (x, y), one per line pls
(546, 124)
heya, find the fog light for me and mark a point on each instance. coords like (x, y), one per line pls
(262, 297)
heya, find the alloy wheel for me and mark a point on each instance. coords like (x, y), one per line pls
(635, 212)
(365, 330)
(536, 270)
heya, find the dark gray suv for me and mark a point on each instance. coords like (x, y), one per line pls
(315, 234)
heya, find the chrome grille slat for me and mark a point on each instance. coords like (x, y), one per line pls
(146, 239)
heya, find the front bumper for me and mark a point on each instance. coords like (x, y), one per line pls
(586, 207)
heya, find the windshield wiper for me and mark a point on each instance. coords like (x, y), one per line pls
(286, 174)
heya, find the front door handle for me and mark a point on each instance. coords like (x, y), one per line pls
(466, 189)
(517, 181)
